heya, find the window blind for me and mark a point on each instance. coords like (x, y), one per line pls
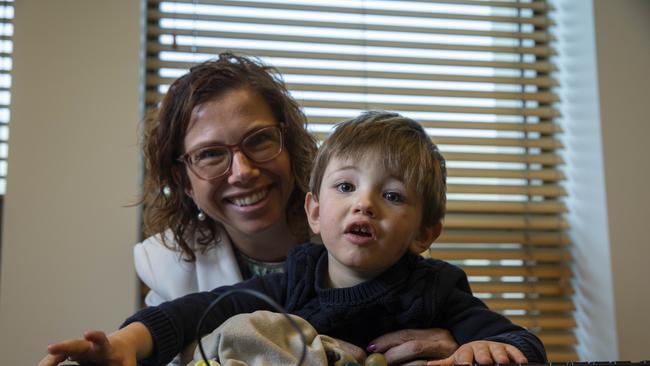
(6, 49)
(477, 74)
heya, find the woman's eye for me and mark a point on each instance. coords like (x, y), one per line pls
(258, 139)
(266, 138)
(394, 197)
(209, 154)
(345, 187)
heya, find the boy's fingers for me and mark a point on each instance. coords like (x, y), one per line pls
(98, 338)
(499, 354)
(481, 353)
(449, 361)
(464, 356)
(59, 352)
(52, 360)
(91, 346)
(515, 354)
(69, 347)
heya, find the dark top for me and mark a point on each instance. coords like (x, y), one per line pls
(413, 293)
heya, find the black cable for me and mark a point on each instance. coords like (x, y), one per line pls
(259, 295)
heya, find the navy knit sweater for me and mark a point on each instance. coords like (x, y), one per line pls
(413, 293)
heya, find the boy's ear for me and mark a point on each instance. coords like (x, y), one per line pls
(427, 236)
(312, 208)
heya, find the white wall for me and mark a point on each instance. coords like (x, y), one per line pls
(605, 79)
(587, 204)
(623, 58)
(73, 166)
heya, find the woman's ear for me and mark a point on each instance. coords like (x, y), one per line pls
(427, 236)
(312, 208)
(182, 181)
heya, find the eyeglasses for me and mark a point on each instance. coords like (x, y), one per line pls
(214, 161)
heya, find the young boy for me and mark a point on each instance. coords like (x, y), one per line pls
(377, 198)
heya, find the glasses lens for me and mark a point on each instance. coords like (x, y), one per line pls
(211, 161)
(263, 145)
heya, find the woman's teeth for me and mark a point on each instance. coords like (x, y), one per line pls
(250, 200)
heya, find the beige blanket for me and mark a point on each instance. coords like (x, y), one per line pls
(266, 338)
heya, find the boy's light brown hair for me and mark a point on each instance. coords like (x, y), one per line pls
(402, 145)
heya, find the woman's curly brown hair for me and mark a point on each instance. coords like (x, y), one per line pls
(166, 205)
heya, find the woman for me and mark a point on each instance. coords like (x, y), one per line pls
(258, 205)
(227, 166)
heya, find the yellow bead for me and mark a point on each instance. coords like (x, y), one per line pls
(376, 359)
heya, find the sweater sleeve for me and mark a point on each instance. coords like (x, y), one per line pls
(173, 324)
(469, 319)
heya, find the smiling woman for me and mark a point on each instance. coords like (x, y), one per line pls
(228, 160)
(250, 196)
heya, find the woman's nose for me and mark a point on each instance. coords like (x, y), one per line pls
(242, 169)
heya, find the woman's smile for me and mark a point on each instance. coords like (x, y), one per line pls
(248, 199)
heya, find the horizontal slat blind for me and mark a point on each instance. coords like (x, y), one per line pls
(6, 49)
(477, 74)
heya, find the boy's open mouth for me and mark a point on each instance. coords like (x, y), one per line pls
(361, 229)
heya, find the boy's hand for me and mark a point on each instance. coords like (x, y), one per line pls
(94, 348)
(414, 346)
(483, 352)
(121, 348)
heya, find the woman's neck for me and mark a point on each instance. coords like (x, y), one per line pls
(270, 245)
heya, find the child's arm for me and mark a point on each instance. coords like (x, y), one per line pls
(483, 352)
(172, 325)
(120, 348)
(469, 319)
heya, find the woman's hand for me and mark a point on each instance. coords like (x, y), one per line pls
(121, 348)
(414, 346)
(483, 352)
(357, 353)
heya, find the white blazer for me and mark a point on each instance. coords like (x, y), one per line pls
(169, 276)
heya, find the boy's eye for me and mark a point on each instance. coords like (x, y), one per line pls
(345, 187)
(394, 197)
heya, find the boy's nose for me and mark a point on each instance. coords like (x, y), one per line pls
(364, 206)
(242, 169)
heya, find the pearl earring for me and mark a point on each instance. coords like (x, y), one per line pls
(201, 215)
(166, 191)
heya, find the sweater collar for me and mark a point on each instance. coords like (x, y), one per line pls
(365, 292)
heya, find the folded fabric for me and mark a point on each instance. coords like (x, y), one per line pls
(266, 338)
